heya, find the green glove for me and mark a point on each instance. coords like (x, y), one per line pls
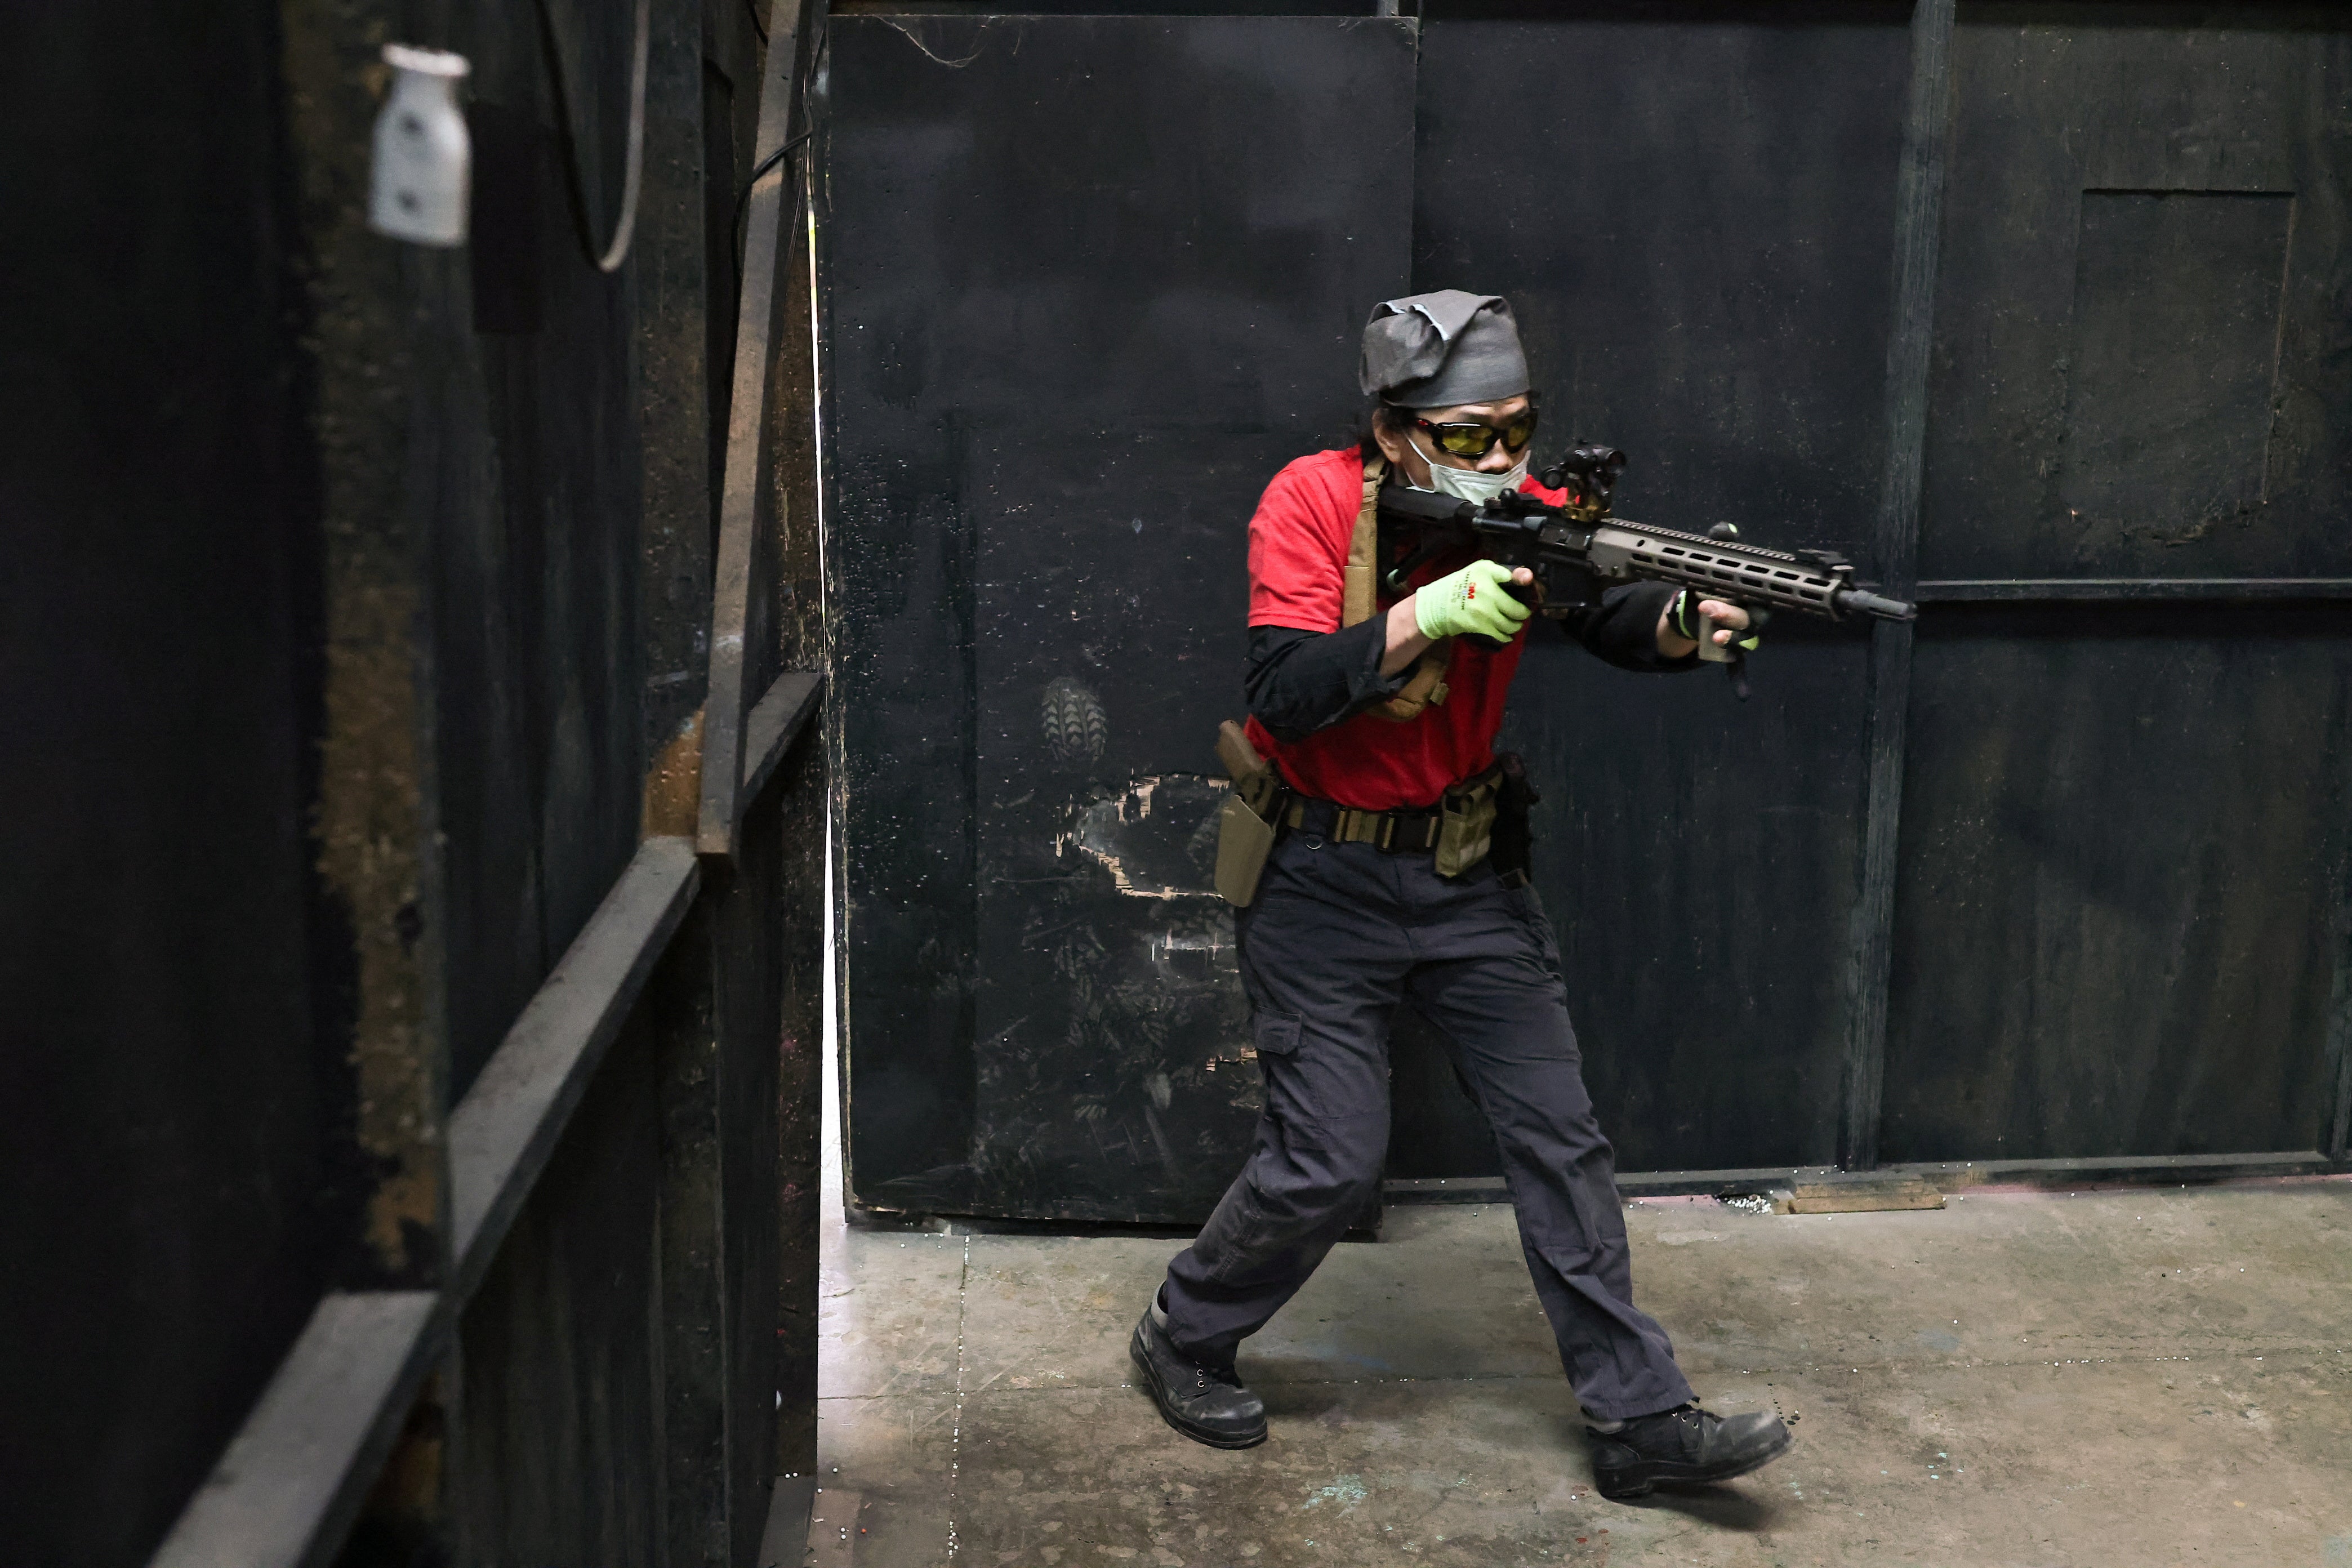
(1689, 621)
(1475, 600)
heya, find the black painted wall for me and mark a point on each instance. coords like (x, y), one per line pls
(1697, 246)
(2118, 926)
(2119, 895)
(2116, 932)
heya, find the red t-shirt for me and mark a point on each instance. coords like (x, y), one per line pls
(1297, 562)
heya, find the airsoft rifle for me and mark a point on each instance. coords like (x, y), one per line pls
(1578, 549)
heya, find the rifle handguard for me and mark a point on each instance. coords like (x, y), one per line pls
(1744, 574)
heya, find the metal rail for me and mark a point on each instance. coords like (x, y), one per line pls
(725, 752)
(2125, 590)
(1949, 1175)
(290, 1482)
(502, 1132)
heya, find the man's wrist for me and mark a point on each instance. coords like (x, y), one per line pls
(1406, 641)
(1670, 643)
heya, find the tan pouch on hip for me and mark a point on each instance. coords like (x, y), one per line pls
(1466, 830)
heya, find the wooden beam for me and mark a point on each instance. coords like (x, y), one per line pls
(671, 265)
(767, 242)
(802, 818)
(1918, 229)
(502, 1132)
(286, 1490)
(774, 724)
(290, 1484)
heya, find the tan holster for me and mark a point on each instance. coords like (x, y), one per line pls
(1245, 822)
(1359, 600)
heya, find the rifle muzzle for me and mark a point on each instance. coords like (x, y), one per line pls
(1861, 602)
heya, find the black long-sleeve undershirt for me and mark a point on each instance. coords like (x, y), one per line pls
(1299, 682)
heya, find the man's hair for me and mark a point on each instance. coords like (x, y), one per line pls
(1387, 416)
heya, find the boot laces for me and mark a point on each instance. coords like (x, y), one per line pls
(1692, 1419)
(1202, 1377)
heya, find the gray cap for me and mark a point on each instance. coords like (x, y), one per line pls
(1435, 351)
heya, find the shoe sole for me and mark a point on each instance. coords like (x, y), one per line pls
(1640, 1480)
(1160, 1403)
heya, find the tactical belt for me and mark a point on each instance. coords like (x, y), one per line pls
(1398, 832)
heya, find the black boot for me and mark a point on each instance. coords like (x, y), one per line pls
(1684, 1444)
(1207, 1406)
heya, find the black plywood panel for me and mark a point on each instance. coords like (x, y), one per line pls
(539, 632)
(176, 1016)
(1094, 280)
(2143, 363)
(753, 937)
(2173, 353)
(1698, 857)
(562, 1426)
(2114, 928)
(1695, 236)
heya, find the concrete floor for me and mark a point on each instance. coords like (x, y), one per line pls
(2131, 1377)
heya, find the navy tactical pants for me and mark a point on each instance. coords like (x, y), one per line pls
(1340, 934)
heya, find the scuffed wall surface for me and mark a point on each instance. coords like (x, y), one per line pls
(1079, 318)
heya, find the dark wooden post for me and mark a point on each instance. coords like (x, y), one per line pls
(1918, 231)
(397, 377)
(800, 645)
(674, 268)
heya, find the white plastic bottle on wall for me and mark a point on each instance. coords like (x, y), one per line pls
(422, 172)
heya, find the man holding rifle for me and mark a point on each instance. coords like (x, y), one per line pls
(1379, 851)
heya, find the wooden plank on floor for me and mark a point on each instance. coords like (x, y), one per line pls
(1865, 1196)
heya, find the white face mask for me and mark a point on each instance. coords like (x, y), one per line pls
(1469, 484)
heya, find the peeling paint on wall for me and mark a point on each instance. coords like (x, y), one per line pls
(1149, 837)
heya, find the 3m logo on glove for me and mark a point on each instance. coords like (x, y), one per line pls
(1450, 606)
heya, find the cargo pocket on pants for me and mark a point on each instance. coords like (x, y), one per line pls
(1231, 1247)
(1275, 1034)
(1528, 910)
